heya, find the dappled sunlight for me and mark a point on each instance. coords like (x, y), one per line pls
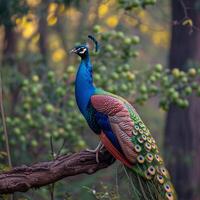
(112, 21)
(58, 55)
(27, 25)
(103, 10)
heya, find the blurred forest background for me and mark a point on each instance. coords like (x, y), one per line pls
(37, 84)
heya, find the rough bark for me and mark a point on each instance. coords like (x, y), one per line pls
(43, 31)
(9, 45)
(182, 133)
(21, 179)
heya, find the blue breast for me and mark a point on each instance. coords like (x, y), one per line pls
(104, 123)
(84, 87)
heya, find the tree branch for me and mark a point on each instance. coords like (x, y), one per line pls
(21, 179)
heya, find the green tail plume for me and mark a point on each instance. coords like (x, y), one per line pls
(143, 189)
(150, 179)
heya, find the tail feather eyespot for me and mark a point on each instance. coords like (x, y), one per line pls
(140, 159)
(160, 179)
(169, 196)
(148, 175)
(167, 187)
(151, 170)
(138, 148)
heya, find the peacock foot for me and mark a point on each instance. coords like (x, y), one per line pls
(96, 150)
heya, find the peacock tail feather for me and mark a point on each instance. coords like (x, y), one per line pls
(150, 165)
(150, 179)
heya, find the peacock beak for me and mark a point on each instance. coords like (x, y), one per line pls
(74, 50)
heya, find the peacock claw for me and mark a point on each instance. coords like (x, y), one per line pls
(96, 150)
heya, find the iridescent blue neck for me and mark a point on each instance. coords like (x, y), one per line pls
(84, 87)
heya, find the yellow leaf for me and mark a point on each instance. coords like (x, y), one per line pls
(52, 20)
(58, 55)
(61, 8)
(52, 7)
(112, 21)
(103, 10)
(28, 31)
(36, 38)
(188, 22)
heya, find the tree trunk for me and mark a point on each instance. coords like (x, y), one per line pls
(9, 45)
(182, 133)
(43, 36)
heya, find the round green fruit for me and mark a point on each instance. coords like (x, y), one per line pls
(70, 69)
(97, 28)
(50, 74)
(159, 67)
(143, 88)
(188, 90)
(120, 34)
(192, 72)
(127, 41)
(35, 78)
(49, 107)
(176, 72)
(135, 39)
(109, 47)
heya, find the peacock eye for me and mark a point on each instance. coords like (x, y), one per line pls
(160, 179)
(82, 50)
(138, 148)
(140, 159)
(169, 196)
(151, 170)
(148, 175)
(167, 188)
(149, 157)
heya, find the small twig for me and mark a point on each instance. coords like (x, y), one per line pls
(5, 128)
(52, 186)
(59, 151)
(186, 17)
(184, 8)
(52, 148)
(4, 124)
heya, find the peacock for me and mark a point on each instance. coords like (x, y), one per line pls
(122, 133)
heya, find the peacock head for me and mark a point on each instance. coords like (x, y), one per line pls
(82, 50)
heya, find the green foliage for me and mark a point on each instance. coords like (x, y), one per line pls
(171, 86)
(103, 192)
(45, 110)
(131, 4)
(117, 53)
(121, 77)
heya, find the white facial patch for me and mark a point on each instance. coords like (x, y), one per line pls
(83, 51)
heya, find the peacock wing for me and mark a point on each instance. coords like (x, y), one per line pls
(121, 123)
